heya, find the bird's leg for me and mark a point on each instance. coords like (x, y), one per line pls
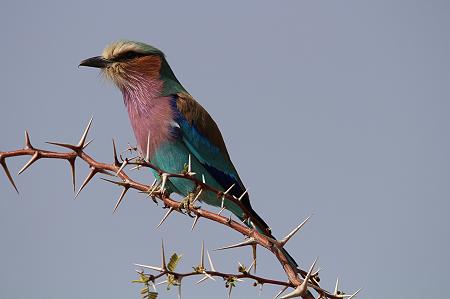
(186, 202)
(189, 200)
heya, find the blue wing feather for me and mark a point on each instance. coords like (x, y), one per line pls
(210, 156)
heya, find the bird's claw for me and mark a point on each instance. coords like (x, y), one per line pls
(185, 204)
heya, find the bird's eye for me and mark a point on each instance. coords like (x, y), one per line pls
(128, 56)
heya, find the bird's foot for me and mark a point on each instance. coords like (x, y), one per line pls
(187, 203)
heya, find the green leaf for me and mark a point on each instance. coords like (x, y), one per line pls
(231, 281)
(152, 295)
(174, 259)
(143, 279)
(172, 280)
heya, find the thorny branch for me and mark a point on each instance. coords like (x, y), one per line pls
(300, 280)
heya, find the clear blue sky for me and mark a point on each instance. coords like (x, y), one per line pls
(335, 108)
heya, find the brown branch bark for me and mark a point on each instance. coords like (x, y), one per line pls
(77, 152)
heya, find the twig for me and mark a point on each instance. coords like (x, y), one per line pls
(117, 168)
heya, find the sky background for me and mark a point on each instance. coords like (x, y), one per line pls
(336, 108)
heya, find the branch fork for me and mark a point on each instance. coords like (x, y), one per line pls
(302, 286)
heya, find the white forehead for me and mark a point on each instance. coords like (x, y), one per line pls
(116, 48)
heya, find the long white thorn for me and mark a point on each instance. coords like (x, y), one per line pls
(308, 275)
(163, 256)
(116, 160)
(202, 255)
(197, 217)
(303, 287)
(88, 178)
(229, 189)
(147, 155)
(242, 195)
(83, 137)
(293, 232)
(221, 210)
(8, 173)
(209, 276)
(137, 167)
(153, 285)
(125, 162)
(202, 280)
(27, 141)
(354, 294)
(240, 265)
(295, 293)
(153, 183)
(280, 292)
(163, 181)
(165, 217)
(317, 272)
(210, 262)
(251, 266)
(225, 193)
(161, 282)
(197, 196)
(150, 267)
(336, 287)
(152, 188)
(124, 191)
(33, 159)
(72, 172)
(247, 242)
(87, 143)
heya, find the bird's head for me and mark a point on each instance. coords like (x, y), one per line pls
(126, 62)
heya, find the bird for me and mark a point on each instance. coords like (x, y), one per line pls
(174, 126)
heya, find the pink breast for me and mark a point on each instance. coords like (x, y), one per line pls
(149, 114)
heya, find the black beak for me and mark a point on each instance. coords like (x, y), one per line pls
(97, 61)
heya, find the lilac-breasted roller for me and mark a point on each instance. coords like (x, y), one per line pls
(178, 126)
